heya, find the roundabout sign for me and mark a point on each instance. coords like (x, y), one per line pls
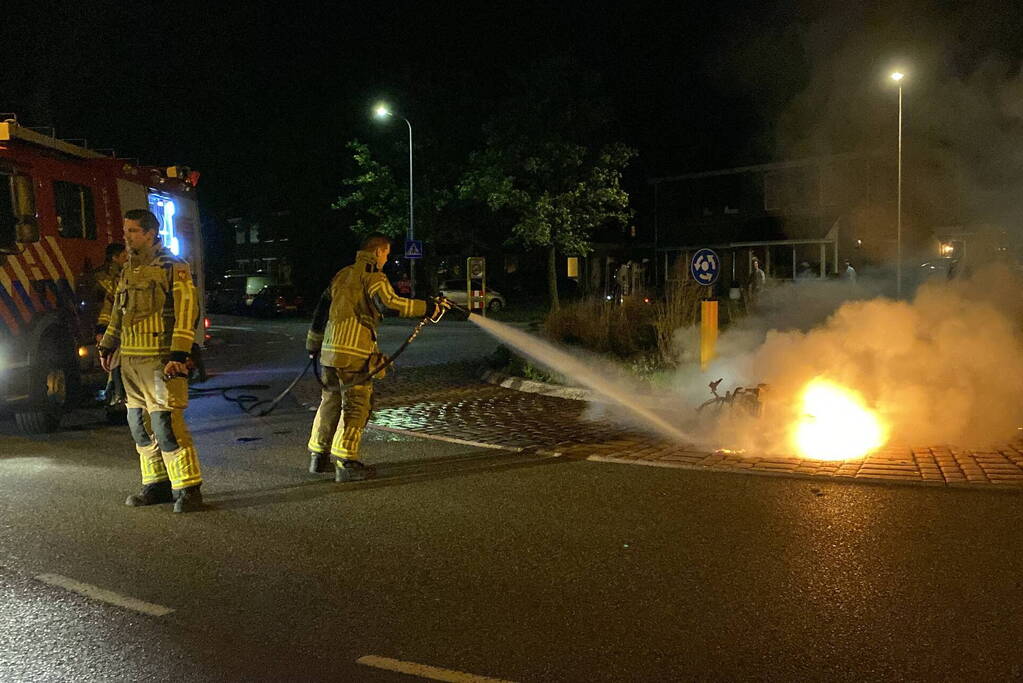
(705, 267)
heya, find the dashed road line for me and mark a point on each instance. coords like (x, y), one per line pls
(103, 595)
(424, 670)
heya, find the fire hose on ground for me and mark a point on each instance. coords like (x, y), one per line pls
(250, 402)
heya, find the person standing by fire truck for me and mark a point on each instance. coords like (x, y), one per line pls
(344, 334)
(104, 281)
(153, 325)
(105, 277)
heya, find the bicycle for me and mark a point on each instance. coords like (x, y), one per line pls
(746, 398)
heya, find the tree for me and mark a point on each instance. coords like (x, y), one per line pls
(376, 200)
(543, 168)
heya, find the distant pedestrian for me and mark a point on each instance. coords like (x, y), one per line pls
(622, 277)
(850, 272)
(403, 287)
(757, 282)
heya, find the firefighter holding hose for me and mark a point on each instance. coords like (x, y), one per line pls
(344, 334)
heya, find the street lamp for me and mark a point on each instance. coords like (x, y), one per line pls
(897, 76)
(382, 111)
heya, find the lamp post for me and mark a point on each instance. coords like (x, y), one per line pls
(382, 111)
(897, 76)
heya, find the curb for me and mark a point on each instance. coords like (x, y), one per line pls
(533, 387)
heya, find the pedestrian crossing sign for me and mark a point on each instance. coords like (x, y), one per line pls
(413, 248)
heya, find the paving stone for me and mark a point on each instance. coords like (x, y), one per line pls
(774, 466)
(885, 471)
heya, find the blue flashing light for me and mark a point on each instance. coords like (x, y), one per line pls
(164, 208)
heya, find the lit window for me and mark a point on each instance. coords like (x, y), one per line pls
(573, 266)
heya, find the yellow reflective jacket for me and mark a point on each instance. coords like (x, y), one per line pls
(105, 278)
(155, 307)
(344, 327)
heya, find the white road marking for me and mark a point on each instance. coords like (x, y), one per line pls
(232, 327)
(439, 437)
(424, 671)
(97, 593)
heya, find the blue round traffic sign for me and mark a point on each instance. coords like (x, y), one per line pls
(705, 267)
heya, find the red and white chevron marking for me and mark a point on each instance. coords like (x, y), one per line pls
(42, 260)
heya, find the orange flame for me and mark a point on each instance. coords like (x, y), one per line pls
(836, 424)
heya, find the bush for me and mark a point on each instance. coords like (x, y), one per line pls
(679, 310)
(642, 334)
(604, 326)
(507, 361)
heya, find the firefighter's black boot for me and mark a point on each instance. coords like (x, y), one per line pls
(188, 499)
(353, 470)
(152, 494)
(319, 463)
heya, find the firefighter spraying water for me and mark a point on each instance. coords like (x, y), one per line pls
(344, 335)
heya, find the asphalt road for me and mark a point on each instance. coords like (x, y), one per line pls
(508, 565)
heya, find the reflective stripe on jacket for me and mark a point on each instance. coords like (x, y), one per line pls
(155, 307)
(346, 318)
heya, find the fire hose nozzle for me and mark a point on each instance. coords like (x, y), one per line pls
(441, 306)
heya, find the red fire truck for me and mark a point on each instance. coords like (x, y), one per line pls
(61, 204)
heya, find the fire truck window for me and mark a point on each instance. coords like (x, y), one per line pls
(8, 219)
(76, 216)
(18, 220)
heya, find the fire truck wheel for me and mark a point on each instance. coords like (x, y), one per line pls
(55, 381)
(494, 305)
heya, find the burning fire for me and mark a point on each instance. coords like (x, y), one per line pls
(836, 425)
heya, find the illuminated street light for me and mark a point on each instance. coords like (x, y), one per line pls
(897, 76)
(382, 111)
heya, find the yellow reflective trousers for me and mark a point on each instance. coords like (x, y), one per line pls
(156, 417)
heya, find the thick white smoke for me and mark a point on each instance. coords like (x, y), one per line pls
(945, 368)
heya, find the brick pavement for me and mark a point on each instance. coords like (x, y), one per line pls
(452, 402)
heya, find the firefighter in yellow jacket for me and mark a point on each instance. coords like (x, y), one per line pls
(344, 334)
(153, 325)
(104, 280)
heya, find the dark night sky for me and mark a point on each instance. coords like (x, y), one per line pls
(262, 98)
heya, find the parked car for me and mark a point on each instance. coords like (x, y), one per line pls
(235, 293)
(275, 300)
(455, 290)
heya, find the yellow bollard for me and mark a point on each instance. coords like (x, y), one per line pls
(708, 332)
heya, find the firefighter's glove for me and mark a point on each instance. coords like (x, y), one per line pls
(438, 307)
(174, 369)
(106, 358)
